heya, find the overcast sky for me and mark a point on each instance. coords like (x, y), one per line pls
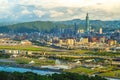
(28, 10)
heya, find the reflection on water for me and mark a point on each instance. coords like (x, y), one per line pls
(41, 72)
(22, 70)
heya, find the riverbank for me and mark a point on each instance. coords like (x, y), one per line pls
(33, 76)
(37, 69)
(23, 70)
(81, 70)
(78, 65)
(30, 67)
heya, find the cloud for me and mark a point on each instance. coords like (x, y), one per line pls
(25, 12)
(69, 11)
(4, 6)
(56, 14)
(39, 13)
(59, 9)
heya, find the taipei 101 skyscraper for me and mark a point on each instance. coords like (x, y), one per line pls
(87, 28)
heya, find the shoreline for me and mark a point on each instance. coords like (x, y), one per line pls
(52, 70)
(31, 67)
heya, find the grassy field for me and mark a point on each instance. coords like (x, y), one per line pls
(22, 60)
(39, 48)
(22, 47)
(81, 70)
(104, 53)
(67, 52)
(104, 69)
(111, 74)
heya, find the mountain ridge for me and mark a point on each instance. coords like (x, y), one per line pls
(47, 26)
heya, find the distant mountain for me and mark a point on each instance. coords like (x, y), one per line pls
(47, 26)
(96, 24)
(35, 26)
(6, 23)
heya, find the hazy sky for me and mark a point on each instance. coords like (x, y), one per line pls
(18, 10)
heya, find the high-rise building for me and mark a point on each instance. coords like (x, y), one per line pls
(100, 31)
(87, 29)
(75, 28)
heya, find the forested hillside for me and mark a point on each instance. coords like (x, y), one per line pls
(47, 26)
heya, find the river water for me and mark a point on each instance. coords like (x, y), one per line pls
(22, 70)
(112, 79)
(41, 72)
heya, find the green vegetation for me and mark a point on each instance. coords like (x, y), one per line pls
(104, 53)
(4, 55)
(80, 51)
(108, 71)
(22, 47)
(21, 60)
(69, 55)
(32, 26)
(104, 69)
(81, 70)
(45, 26)
(111, 74)
(33, 76)
(49, 26)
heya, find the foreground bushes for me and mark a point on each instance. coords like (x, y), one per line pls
(33, 76)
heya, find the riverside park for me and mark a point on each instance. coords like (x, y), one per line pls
(83, 62)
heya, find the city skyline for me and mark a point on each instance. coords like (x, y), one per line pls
(54, 10)
(59, 40)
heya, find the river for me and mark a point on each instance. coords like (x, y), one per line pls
(22, 70)
(41, 72)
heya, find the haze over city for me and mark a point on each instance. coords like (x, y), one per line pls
(58, 10)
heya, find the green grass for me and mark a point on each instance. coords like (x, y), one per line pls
(21, 60)
(111, 74)
(104, 53)
(22, 47)
(105, 69)
(68, 52)
(81, 70)
(79, 51)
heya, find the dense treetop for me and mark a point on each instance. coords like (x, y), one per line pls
(33, 76)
